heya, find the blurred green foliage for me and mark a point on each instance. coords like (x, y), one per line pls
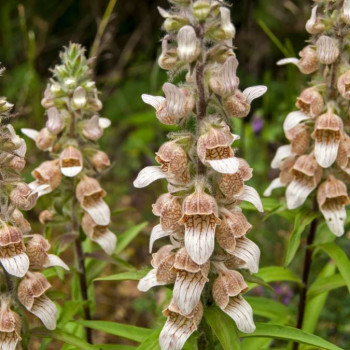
(32, 33)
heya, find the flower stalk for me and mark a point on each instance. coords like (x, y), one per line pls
(70, 136)
(22, 253)
(200, 213)
(315, 163)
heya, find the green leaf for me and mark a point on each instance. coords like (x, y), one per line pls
(152, 342)
(130, 275)
(269, 308)
(113, 347)
(69, 310)
(326, 284)
(316, 304)
(290, 334)
(340, 259)
(138, 334)
(224, 328)
(302, 219)
(62, 336)
(125, 238)
(276, 274)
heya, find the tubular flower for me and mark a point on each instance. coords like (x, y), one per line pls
(21, 252)
(200, 214)
(317, 158)
(72, 130)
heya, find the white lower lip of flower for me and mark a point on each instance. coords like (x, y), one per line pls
(293, 119)
(104, 123)
(282, 153)
(335, 218)
(251, 195)
(31, 133)
(149, 281)
(297, 193)
(276, 183)
(346, 11)
(154, 101)
(107, 241)
(247, 251)
(241, 312)
(16, 265)
(9, 341)
(225, 166)
(254, 92)
(148, 175)
(45, 310)
(71, 171)
(326, 153)
(40, 189)
(99, 212)
(176, 331)
(187, 290)
(157, 233)
(54, 260)
(288, 60)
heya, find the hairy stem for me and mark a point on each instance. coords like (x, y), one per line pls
(80, 258)
(306, 272)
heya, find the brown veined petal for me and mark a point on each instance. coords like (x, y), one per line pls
(299, 138)
(200, 237)
(332, 198)
(10, 327)
(327, 135)
(242, 313)
(188, 289)
(178, 328)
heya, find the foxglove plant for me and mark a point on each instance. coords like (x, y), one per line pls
(315, 162)
(22, 254)
(70, 136)
(200, 214)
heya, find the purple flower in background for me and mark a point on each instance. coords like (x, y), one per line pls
(285, 293)
(257, 124)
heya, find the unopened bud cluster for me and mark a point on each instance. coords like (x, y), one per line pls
(70, 135)
(317, 158)
(22, 254)
(200, 214)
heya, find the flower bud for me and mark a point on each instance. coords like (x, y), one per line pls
(31, 294)
(310, 102)
(90, 196)
(168, 207)
(10, 326)
(173, 160)
(48, 173)
(226, 24)
(327, 49)
(71, 161)
(44, 139)
(16, 163)
(54, 122)
(92, 129)
(237, 105)
(5, 107)
(23, 197)
(79, 99)
(225, 81)
(343, 85)
(187, 44)
(48, 100)
(201, 10)
(314, 25)
(46, 216)
(19, 221)
(9, 140)
(168, 58)
(100, 161)
(99, 234)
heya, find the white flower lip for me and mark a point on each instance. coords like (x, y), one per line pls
(148, 175)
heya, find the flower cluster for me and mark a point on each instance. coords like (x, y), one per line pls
(200, 214)
(70, 135)
(317, 157)
(22, 254)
